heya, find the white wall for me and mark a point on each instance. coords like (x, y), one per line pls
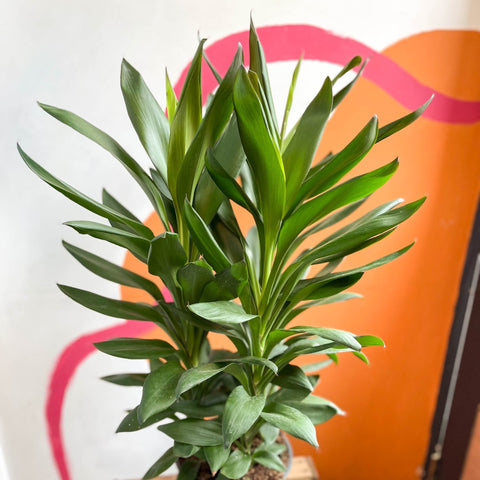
(68, 54)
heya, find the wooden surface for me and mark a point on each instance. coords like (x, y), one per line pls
(302, 469)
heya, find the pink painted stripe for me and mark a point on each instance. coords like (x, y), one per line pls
(288, 42)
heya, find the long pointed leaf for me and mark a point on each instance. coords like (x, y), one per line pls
(146, 116)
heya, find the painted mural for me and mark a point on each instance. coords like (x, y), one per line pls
(390, 404)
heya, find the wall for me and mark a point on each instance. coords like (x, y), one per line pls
(57, 418)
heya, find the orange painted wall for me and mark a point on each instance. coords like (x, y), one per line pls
(409, 303)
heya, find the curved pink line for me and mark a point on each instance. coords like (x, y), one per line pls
(288, 42)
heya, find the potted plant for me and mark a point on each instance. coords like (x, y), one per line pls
(224, 408)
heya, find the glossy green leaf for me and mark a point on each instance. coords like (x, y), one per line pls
(262, 153)
(237, 465)
(113, 203)
(348, 192)
(203, 433)
(137, 245)
(162, 464)
(165, 257)
(292, 377)
(147, 117)
(241, 412)
(258, 65)
(292, 421)
(108, 143)
(192, 278)
(184, 450)
(354, 62)
(112, 307)
(126, 379)
(269, 433)
(189, 469)
(195, 409)
(317, 409)
(159, 390)
(370, 341)
(339, 336)
(216, 457)
(131, 423)
(300, 152)
(225, 313)
(204, 240)
(184, 126)
(402, 122)
(136, 348)
(213, 124)
(112, 272)
(330, 171)
(194, 376)
(288, 104)
(341, 94)
(269, 460)
(226, 285)
(171, 98)
(229, 153)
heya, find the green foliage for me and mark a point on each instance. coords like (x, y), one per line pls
(246, 288)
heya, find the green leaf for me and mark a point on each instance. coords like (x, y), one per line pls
(126, 379)
(183, 450)
(192, 278)
(259, 66)
(184, 126)
(223, 312)
(299, 154)
(370, 341)
(339, 96)
(226, 285)
(213, 124)
(84, 201)
(229, 153)
(171, 98)
(241, 412)
(194, 409)
(136, 348)
(189, 469)
(237, 465)
(263, 154)
(195, 376)
(290, 420)
(288, 104)
(111, 307)
(229, 186)
(146, 116)
(402, 122)
(165, 257)
(164, 462)
(137, 245)
(354, 62)
(204, 239)
(131, 423)
(216, 457)
(112, 272)
(269, 433)
(339, 336)
(317, 409)
(331, 170)
(159, 390)
(292, 377)
(203, 433)
(108, 143)
(269, 460)
(348, 192)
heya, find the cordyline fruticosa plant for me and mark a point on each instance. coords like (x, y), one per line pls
(247, 288)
